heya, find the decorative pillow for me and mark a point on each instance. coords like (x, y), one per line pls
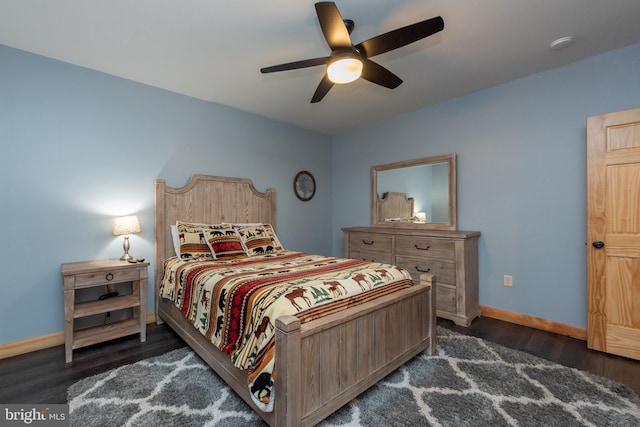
(225, 242)
(177, 234)
(193, 227)
(272, 234)
(194, 246)
(277, 246)
(175, 239)
(256, 239)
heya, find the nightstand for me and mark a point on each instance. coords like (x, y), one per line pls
(90, 274)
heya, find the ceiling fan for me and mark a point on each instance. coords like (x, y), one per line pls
(347, 61)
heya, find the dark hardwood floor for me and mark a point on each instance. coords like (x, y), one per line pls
(43, 376)
(561, 349)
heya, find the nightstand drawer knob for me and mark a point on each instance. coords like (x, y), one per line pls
(109, 277)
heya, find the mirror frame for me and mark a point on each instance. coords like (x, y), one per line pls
(448, 158)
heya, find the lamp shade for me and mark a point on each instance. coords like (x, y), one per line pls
(126, 225)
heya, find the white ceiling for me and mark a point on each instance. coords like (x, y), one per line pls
(213, 50)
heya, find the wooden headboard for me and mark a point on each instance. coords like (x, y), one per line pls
(210, 200)
(394, 205)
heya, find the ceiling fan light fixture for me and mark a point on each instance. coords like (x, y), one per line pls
(344, 70)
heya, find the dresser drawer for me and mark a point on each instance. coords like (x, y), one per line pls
(106, 277)
(445, 271)
(364, 242)
(425, 247)
(384, 257)
(445, 298)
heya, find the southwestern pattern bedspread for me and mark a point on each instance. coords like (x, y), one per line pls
(234, 302)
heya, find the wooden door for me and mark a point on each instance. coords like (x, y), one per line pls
(613, 233)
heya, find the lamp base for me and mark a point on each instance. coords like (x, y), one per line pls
(125, 246)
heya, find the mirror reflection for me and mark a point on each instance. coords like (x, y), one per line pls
(418, 192)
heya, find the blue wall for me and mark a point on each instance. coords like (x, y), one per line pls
(79, 147)
(521, 176)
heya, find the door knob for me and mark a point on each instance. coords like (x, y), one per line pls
(598, 244)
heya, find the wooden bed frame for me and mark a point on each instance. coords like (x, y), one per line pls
(320, 365)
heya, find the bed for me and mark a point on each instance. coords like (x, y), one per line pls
(321, 363)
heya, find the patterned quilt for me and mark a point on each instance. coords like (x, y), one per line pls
(235, 302)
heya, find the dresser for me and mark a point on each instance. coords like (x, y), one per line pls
(451, 256)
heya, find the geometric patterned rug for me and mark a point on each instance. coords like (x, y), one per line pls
(468, 382)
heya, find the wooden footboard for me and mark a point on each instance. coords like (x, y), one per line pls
(323, 364)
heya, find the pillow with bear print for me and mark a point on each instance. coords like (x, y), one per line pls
(256, 239)
(277, 246)
(225, 242)
(181, 227)
(272, 233)
(194, 246)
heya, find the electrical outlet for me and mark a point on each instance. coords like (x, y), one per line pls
(508, 280)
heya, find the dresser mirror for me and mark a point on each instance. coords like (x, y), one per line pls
(419, 193)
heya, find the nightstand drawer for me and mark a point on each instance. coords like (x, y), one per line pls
(422, 247)
(363, 242)
(106, 277)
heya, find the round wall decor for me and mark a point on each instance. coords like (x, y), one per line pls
(304, 185)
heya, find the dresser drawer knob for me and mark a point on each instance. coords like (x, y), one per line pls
(109, 277)
(422, 271)
(368, 243)
(422, 249)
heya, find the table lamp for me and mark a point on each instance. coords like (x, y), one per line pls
(125, 225)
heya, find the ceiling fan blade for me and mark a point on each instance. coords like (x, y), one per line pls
(379, 75)
(323, 89)
(400, 37)
(332, 25)
(296, 65)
